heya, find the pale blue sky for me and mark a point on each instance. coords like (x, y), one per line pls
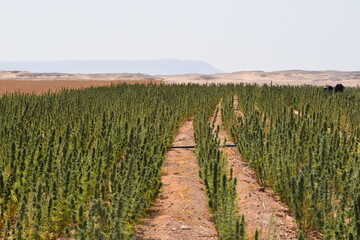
(232, 35)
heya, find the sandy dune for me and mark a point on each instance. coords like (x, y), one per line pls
(29, 76)
(290, 77)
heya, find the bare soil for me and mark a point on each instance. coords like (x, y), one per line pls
(261, 207)
(289, 77)
(38, 87)
(181, 211)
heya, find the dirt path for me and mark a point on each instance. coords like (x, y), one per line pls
(262, 208)
(181, 211)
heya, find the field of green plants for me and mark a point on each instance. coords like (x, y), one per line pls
(304, 143)
(87, 163)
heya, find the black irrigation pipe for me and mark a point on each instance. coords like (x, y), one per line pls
(194, 146)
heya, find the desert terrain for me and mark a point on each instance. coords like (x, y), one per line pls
(288, 77)
(28, 82)
(38, 87)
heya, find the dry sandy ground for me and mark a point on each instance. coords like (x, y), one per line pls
(181, 211)
(29, 76)
(38, 87)
(28, 82)
(290, 77)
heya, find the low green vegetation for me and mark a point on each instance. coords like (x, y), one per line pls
(304, 143)
(87, 163)
(220, 188)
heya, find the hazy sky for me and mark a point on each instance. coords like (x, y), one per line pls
(232, 35)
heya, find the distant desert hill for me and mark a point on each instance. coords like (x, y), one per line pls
(288, 77)
(152, 67)
(30, 76)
